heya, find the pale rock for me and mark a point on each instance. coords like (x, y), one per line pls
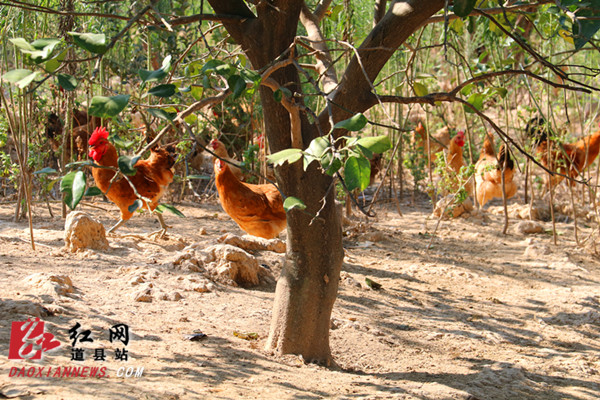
(452, 210)
(44, 283)
(537, 250)
(375, 237)
(233, 265)
(528, 227)
(144, 295)
(191, 265)
(175, 296)
(348, 280)
(203, 287)
(250, 243)
(83, 232)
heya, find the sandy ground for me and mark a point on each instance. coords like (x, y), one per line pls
(479, 315)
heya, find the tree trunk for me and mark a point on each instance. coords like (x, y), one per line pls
(307, 287)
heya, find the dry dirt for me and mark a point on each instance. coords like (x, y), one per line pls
(472, 317)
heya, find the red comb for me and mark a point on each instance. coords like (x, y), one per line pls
(99, 133)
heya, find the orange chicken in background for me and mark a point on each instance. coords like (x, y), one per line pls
(437, 142)
(257, 209)
(569, 159)
(151, 180)
(455, 160)
(488, 173)
(217, 147)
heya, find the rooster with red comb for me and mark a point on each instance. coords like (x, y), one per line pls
(150, 181)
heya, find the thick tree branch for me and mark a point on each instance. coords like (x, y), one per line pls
(354, 93)
(324, 64)
(321, 9)
(379, 11)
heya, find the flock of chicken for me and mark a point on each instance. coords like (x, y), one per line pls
(492, 168)
(258, 209)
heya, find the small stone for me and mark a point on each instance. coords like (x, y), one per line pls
(375, 237)
(528, 227)
(144, 295)
(136, 280)
(191, 265)
(537, 250)
(175, 296)
(201, 288)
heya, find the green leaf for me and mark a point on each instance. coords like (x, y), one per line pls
(164, 91)
(315, 151)
(162, 114)
(73, 185)
(501, 91)
(108, 107)
(278, 95)
(251, 76)
(365, 152)
(92, 42)
(210, 66)
(283, 156)
(22, 44)
(127, 165)
(197, 92)
(191, 119)
(39, 51)
(93, 191)
(293, 202)
(135, 205)
(157, 75)
(586, 24)
(162, 207)
(237, 84)
(53, 64)
(225, 70)
(331, 164)
(463, 8)
(372, 284)
(20, 77)
(357, 172)
(203, 177)
(420, 89)
(376, 144)
(67, 82)
(121, 143)
(356, 123)
(318, 146)
(51, 184)
(476, 99)
(79, 164)
(46, 170)
(43, 49)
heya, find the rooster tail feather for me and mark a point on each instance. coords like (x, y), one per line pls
(504, 156)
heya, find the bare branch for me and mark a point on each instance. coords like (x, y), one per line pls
(489, 11)
(183, 114)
